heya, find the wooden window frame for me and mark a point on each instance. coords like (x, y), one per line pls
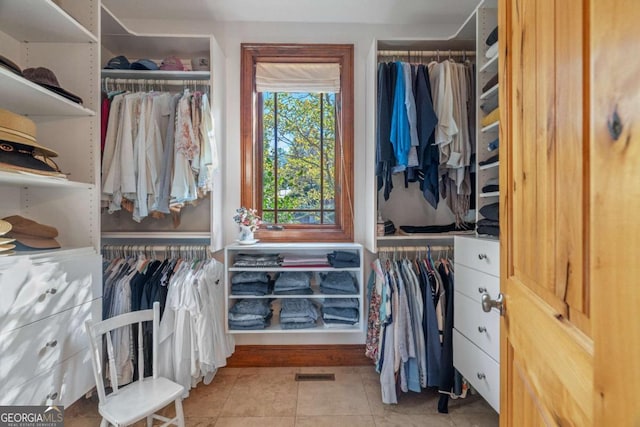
(251, 138)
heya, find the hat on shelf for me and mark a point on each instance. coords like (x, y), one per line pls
(7, 247)
(22, 130)
(47, 79)
(10, 65)
(30, 234)
(200, 63)
(144, 64)
(6, 240)
(118, 63)
(172, 63)
(5, 227)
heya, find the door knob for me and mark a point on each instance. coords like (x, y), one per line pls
(488, 303)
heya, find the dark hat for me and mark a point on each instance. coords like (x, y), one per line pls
(144, 64)
(46, 78)
(32, 234)
(118, 63)
(22, 158)
(10, 65)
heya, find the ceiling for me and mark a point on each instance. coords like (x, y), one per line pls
(388, 12)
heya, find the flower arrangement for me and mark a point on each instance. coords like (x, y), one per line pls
(248, 218)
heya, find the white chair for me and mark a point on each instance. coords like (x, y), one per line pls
(142, 398)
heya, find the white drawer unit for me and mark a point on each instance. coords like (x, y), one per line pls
(479, 254)
(483, 329)
(42, 335)
(476, 335)
(478, 368)
(473, 285)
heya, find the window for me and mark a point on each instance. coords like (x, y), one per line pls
(297, 140)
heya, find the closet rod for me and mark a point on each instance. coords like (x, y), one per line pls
(150, 82)
(443, 52)
(134, 249)
(413, 248)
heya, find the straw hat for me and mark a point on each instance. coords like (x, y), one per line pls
(5, 227)
(20, 129)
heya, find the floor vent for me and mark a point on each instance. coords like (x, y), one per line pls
(315, 377)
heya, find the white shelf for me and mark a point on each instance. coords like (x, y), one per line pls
(492, 127)
(431, 237)
(47, 255)
(157, 235)
(19, 179)
(491, 66)
(489, 93)
(320, 328)
(489, 166)
(285, 247)
(275, 269)
(281, 296)
(117, 38)
(490, 194)
(25, 97)
(41, 21)
(156, 74)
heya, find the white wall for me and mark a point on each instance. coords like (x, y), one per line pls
(230, 36)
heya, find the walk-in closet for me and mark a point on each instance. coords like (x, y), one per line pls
(299, 213)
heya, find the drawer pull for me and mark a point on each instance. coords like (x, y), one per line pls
(482, 290)
(482, 256)
(481, 376)
(52, 343)
(52, 396)
(482, 329)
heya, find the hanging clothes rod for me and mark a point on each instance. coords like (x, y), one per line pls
(414, 248)
(417, 53)
(151, 82)
(191, 251)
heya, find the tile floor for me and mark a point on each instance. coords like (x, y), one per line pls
(268, 397)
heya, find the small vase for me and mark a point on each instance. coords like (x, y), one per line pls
(246, 235)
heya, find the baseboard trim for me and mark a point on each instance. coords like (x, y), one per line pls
(246, 356)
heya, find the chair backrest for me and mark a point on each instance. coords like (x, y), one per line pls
(103, 329)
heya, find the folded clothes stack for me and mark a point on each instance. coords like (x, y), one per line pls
(293, 283)
(290, 260)
(338, 282)
(342, 311)
(343, 259)
(257, 260)
(250, 314)
(490, 224)
(251, 283)
(298, 314)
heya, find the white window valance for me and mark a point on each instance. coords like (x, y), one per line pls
(297, 77)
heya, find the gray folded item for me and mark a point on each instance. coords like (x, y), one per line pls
(343, 313)
(298, 325)
(250, 277)
(301, 307)
(251, 306)
(341, 302)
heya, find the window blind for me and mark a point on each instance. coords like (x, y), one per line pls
(298, 77)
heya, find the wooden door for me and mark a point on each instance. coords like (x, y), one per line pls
(570, 193)
(547, 350)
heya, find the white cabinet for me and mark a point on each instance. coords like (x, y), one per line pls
(297, 249)
(44, 356)
(476, 335)
(47, 301)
